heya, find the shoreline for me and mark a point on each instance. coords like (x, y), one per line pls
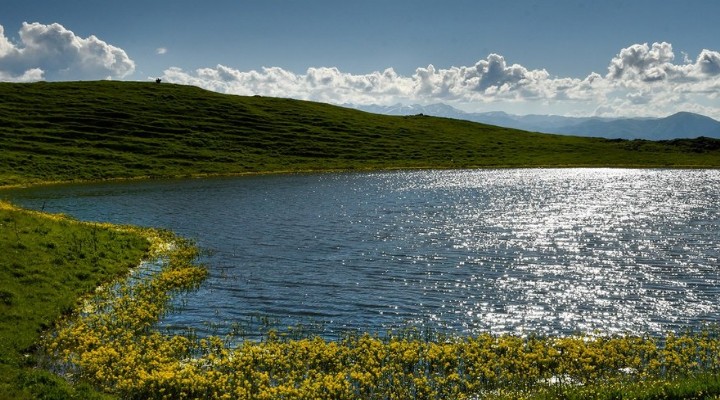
(149, 178)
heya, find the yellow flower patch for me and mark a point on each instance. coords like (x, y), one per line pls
(114, 345)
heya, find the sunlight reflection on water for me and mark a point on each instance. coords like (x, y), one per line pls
(545, 251)
(557, 251)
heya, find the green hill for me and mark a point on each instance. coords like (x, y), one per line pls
(99, 130)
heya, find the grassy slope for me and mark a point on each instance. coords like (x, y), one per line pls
(47, 263)
(97, 130)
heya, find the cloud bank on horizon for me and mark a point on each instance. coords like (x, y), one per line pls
(641, 80)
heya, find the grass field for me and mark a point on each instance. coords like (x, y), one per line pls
(109, 130)
(47, 265)
(100, 130)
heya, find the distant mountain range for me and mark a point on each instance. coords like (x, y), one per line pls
(676, 126)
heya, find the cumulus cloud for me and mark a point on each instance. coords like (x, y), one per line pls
(161, 51)
(641, 63)
(492, 77)
(709, 62)
(641, 79)
(31, 75)
(5, 45)
(55, 53)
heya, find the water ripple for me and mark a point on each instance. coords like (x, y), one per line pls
(553, 251)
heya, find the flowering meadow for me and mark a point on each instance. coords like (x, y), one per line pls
(114, 344)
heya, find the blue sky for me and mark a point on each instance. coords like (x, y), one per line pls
(552, 57)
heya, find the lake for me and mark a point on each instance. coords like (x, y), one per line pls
(522, 251)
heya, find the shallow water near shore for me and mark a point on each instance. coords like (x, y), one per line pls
(541, 251)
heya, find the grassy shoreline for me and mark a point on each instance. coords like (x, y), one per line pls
(50, 264)
(330, 171)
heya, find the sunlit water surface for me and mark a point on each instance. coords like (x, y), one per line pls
(545, 251)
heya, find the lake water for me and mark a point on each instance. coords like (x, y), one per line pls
(546, 251)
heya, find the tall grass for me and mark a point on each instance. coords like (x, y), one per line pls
(47, 264)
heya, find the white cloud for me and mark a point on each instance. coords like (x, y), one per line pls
(161, 51)
(641, 80)
(5, 46)
(55, 53)
(319, 84)
(640, 62)
(31, 75)
(708, 62)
